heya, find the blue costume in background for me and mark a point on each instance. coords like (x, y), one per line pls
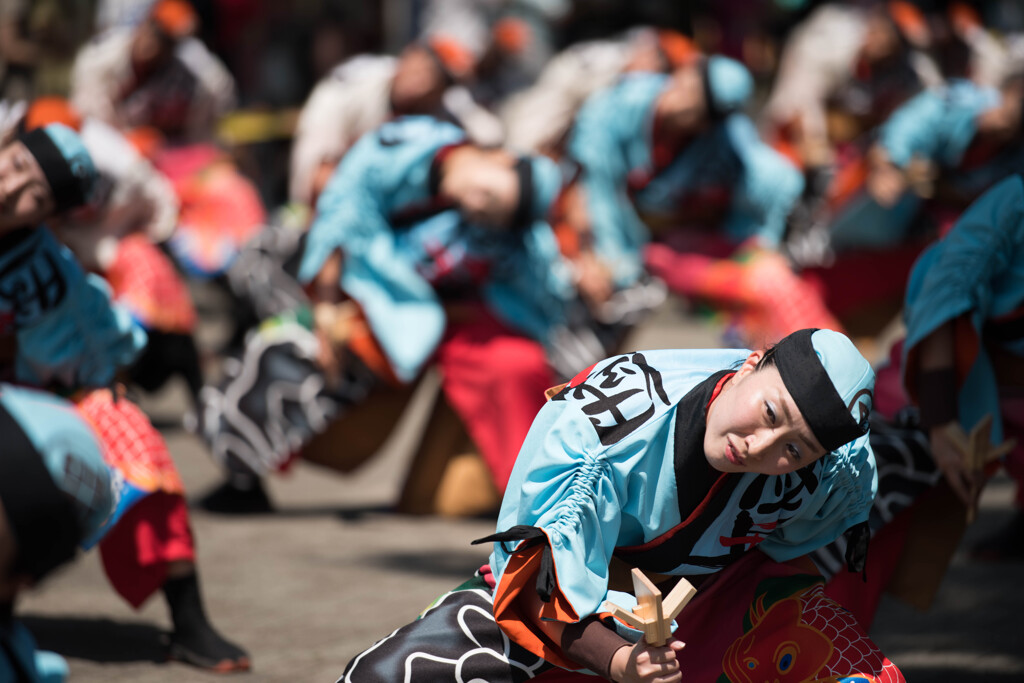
(976, 272)
(613, 140)
(407, 254)
(938, 126)
(72, 457)
(386, 180)
(69, 334)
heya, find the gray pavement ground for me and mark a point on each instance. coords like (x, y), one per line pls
(333, 569)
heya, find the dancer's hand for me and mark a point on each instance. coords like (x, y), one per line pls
(593, 279)
(886, 184)
(951, 462)
(645, 663)
(333, 325)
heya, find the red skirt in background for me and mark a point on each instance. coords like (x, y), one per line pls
(155, 531)
(495, 381)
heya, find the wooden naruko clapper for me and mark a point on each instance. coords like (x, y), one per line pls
(652, 614)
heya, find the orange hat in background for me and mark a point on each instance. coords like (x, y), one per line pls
(455, 58)
(46, 110)
(176, 18)
(676, 48)
(512, 35)
(910, 21)
(964, 18)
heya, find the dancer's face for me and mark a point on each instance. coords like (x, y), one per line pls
(25, 195)
(682, 103)
(418, 84)
(491, 195)
(754, 425)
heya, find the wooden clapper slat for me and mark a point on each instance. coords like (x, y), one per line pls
(978, 451)
(653, 615)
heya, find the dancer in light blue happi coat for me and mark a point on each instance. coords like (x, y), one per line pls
(615, 141)
(390, 176)
(446, 249)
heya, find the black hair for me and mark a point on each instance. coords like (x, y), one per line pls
(523, 215)
(768, 359)
(714, 113)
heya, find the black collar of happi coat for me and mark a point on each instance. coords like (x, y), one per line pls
(698, 487)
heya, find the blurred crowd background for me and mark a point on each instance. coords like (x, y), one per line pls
(773, 164)
(277, 52)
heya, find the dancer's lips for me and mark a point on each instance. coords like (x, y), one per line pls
(731, 454)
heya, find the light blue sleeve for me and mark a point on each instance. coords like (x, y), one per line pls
(563, 484)
(533, 290)
(82, 341)
(61, 436)
(607, 125)
(937, 124)
(394, 297)
(768, 191)
(590, 493)
(965, 273)
(846, 489)
(914, 129)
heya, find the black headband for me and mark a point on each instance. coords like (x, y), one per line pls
(41, 516)
(814, 393)
(523, 215)
(65, 185)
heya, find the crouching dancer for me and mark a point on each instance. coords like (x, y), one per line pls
(60, 332)
(721, 466)
(55, 491)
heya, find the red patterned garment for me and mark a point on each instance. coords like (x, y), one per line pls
(146, 283)
(759, 621)
(131, 443)
(154, 532)
(764, 298)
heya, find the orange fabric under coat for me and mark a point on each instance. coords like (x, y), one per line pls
(521, 575)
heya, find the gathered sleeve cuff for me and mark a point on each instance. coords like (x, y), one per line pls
(847, 483)
(557, 535)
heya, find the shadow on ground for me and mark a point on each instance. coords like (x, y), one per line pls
(98, 640)
(972, 632)
(457, 565)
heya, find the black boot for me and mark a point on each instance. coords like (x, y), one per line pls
(242, 497)
(194, 640)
